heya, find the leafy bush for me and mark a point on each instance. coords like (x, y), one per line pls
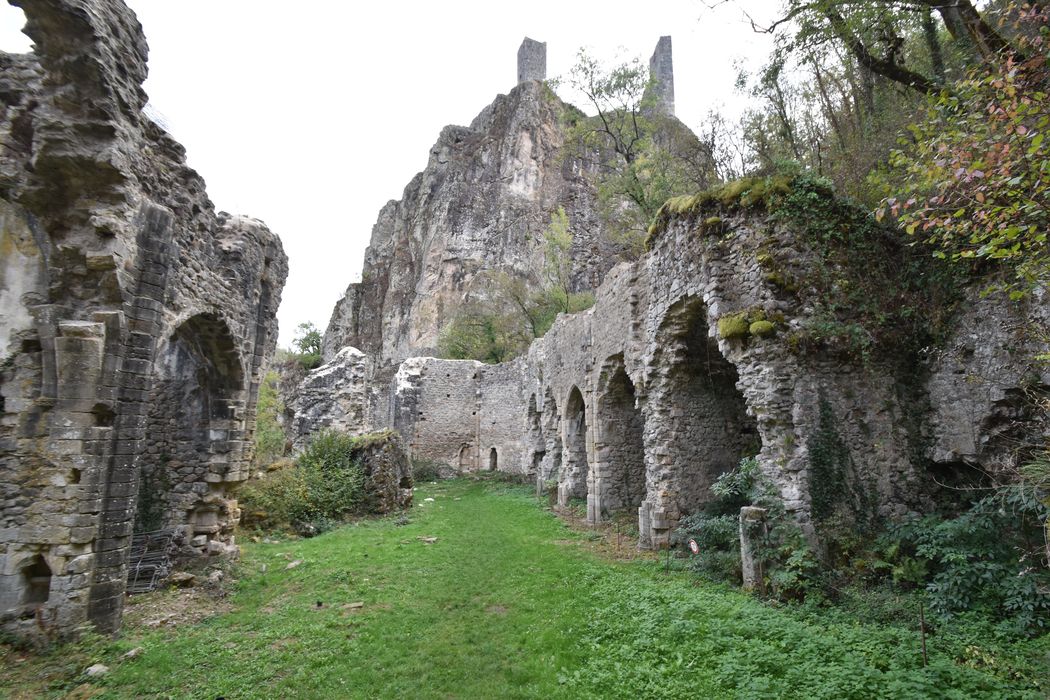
(427, 470)
(269, 435)
(988, 560)
(325, 484)
(716, 528)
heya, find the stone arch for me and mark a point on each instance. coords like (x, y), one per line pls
(619, 482)
(466, 461)
(697, 424)
(550, 463)
(573, 482)
(196, 439)
(493, 459)
(535, 445)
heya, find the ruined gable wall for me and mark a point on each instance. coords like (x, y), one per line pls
(129, 259)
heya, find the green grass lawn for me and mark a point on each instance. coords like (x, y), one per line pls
(510, 603)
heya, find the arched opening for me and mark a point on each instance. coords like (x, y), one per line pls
(621, 463)
(195, 431)
(466, 464)
(574, 475)
(493, 460)
(537, 445)
(698, 415)
(36, 581)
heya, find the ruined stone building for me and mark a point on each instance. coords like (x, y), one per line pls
(704, 351)
(134, 324)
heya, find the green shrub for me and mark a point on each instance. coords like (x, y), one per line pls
(309, 361)
(325, 484)
(716, 528)
(427, 470)
(988, 560)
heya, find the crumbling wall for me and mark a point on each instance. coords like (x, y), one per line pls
(436, 410)
(668, 368)
(136, 321)
(334, 395)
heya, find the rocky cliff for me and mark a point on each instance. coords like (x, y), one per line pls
(482, 203)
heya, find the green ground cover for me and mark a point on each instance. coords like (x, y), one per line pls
(508, 602)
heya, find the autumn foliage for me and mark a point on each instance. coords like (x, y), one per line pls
(978, 165)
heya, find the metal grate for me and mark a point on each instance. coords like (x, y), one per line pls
(150, 560)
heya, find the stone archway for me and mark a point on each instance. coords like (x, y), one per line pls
(466, 460)
(573, 482)
(535, 443)
(697, 425)
(493, 460)
(550, 463)
(619, 482)
(195, 451)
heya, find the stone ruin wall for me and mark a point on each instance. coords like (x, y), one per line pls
(135, 325)
(637, 405)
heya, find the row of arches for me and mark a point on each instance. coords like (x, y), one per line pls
(656, 449)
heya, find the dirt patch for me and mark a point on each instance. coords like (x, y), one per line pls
(496, 610)
(172, 607)
(615, 540)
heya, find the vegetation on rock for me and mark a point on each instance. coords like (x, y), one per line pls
(326, 483)
(514, 311)
(640, 155)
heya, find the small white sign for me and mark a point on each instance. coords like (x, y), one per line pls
(694, 547)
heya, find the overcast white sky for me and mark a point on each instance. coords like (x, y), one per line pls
(311, 115)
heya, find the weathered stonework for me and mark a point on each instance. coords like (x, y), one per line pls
(532, 60)
(134, 325)
(638, 404)
(684, 365)
(661, 72)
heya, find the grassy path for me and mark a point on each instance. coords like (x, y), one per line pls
(504, 604)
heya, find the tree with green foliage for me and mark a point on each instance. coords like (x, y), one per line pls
(640, 156)
(308, 344)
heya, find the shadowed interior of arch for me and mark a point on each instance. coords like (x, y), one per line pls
(704, 419)
(622, 462)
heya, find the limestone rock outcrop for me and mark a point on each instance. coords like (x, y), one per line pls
(135, 322)
(482, 203)
(333, 396)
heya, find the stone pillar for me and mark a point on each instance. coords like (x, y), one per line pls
(752, 527)
(661, 73)
(532, 60)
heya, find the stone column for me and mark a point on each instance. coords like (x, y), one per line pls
(752, 528)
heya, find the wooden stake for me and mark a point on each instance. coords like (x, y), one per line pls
(922, 631)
